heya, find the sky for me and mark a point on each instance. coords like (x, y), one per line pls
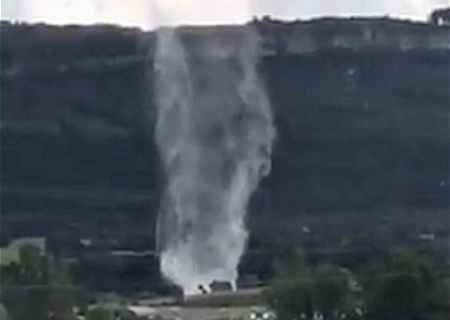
(149, 13)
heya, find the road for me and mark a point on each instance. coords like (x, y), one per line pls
(203, 313)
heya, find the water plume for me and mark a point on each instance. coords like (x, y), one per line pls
(214, 131)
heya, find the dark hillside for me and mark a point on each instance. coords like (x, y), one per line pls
(360, 129)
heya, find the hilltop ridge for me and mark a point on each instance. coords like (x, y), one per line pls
(22, 42)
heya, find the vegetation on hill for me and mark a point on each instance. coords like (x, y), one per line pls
(406, 287)
(38, 288)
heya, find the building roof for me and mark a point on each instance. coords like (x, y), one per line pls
(22, 242)
(141, 311)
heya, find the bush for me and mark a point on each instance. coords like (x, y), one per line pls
(99, 314)
(324, 289)
(291, 298)
(404, 289)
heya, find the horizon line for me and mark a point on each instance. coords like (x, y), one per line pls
(220, 24)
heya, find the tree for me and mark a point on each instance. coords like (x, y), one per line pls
(300, 291)
(330, 290)
(30, 265)
(404, 289)
(22, 284)
(40, 282)
(440, 16)
(291, 298)
(98, 314)
(398, 295)
(291, 292)
(9, 274)
(62, 293)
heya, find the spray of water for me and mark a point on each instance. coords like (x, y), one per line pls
(214, 132)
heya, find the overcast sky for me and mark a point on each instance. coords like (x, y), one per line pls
(143, 13)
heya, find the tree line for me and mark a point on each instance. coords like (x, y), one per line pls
(408, 286)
